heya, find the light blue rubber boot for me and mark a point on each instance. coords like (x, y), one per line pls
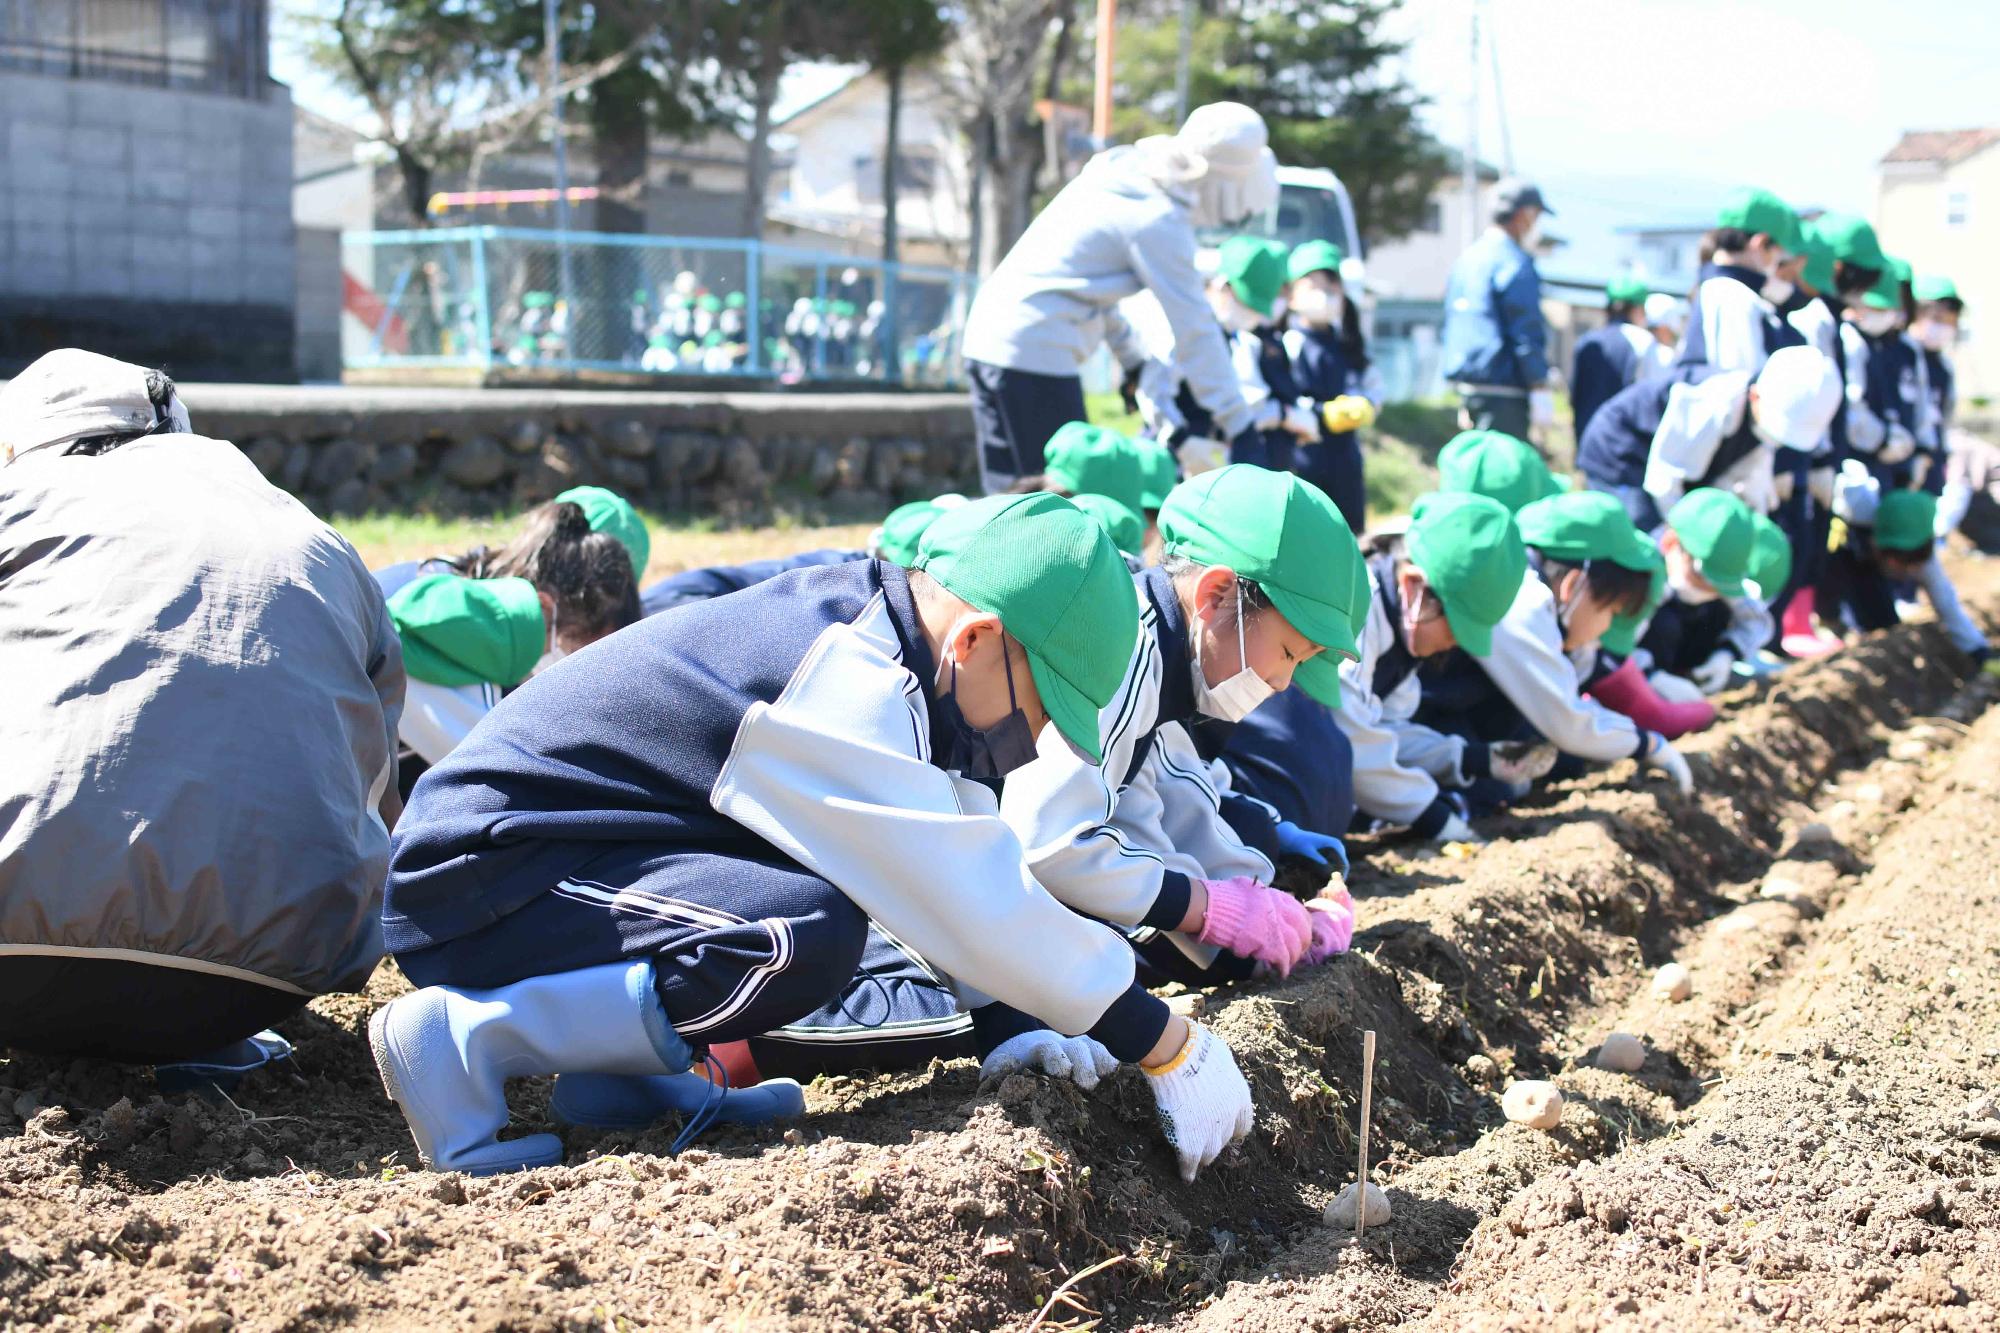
(446, 1054)
(627, 1101)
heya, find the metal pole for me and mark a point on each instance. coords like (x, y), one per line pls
(1469, 169)
(552, 40)
(1183, 64)
(753, 301)
(1107, 42)
(484, 307)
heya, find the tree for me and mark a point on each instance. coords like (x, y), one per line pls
(1004, 55)
(1321, 76)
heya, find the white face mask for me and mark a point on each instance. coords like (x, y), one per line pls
(1317, 306)
(1778, 290)
(1874, 322)
(1935, 335)
(1236, 698)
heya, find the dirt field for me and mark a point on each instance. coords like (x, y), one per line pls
(1801, 1148)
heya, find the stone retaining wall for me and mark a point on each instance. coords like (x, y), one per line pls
(472, 451)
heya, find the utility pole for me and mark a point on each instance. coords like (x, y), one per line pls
(552, 40)
(1469, 168)
(1107, 41)
(1183, 64)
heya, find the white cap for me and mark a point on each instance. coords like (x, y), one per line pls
(1664, 311)
(1240, 174)
(70, 395)
(1798, 392)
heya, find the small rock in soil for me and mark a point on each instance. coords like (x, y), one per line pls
(1482, 1069)
(1778, 886)
(1340, 1213)
(1622, 1052)
(1533, 1103)
(1672, 983)
(1815, 833)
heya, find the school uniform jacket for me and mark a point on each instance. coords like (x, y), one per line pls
(1545, 681)
(1398, 762)
(1673, 436)
(1122, 841)
(1607, 360)
(1321, 371)
(1681, 636)
(701, 585)
(1887, 391)
(795, 719)
(1732, 326)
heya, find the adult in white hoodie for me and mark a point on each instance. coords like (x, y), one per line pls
(1126, 224)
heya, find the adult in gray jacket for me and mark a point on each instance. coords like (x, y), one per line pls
(203, 687)
(1125, 224)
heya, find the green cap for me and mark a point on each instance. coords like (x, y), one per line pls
(459, 631)
(1905, 521)
(1887, 293)
(1632, 291)
(1059, 587)
(1496, 465)
(1254, 268)
(612, 513)
(1470, 553)
(1158, 474)
(1818, 271)
(897, 539)
(735, 301)
(1095, 460)
(1586, 525)
(1120, 522)
(1758, 211)
(1771, 558)
(1313, 257)
(1623, 635)
(1852, 239)
(537, 300)
(1283, 534)
(1901, 268)
(1715, 528)
(1935, 287)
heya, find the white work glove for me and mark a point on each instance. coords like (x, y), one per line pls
(1457, 830)
(1541, 407)
(1301, 422)
(1669, 761)
(1520, 761)
(1199, 454)
(1899, 445)
(1713, 675)
(1675, 689)
(1203, 1101)
(1046, 1052)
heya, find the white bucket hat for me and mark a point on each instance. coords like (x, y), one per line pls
(70, 395)
(1798, 392)
(1222, 155)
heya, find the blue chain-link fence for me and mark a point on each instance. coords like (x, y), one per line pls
(492, 298)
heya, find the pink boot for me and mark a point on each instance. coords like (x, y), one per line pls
(1627, 691)
(1802, 639)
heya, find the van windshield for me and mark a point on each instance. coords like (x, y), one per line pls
(1303, 213)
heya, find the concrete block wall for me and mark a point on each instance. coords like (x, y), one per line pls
(149, 223)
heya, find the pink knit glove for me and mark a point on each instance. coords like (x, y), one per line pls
(1332, 916)
(1253, 920)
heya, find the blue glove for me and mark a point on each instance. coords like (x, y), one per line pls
(1296, 841)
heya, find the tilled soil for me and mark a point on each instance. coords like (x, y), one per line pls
(919, 1201)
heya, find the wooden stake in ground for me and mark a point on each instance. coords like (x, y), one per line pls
(1367, 1107)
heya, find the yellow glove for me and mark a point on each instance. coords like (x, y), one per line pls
(1348, 412)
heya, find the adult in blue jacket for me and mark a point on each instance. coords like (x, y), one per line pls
(1495, 343)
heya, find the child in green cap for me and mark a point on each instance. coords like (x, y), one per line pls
(1332, 370)
(1709, 620)
(1523, 704)
(1259, 590)
(1449, 582)
(1890, 542)
(1496, 465)
(474, 628)
(679, 838)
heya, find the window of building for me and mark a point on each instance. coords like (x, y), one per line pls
(1958, 208)
(211, 45)
(679, 178)
(1432, 222)
(916, 173)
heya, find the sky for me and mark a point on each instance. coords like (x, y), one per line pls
(1629, 111)
(1650, 110)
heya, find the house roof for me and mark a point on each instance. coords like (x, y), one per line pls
(1943, 147)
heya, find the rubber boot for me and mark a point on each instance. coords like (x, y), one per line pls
(1802, 638)
(1627, 691)
(446, 1054)
(627, 1101)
